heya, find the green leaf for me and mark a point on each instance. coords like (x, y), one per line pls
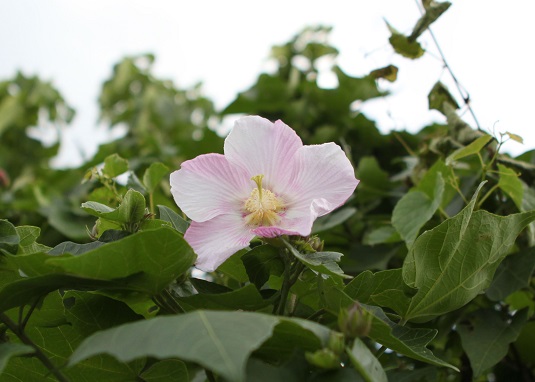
(9, 240)
(219, 341)
(486, 337)
(321, 262)
(513, 274)
(291, 335)
(175, 219)
(8, 350)
(439, 95)
(415, 209)
(166, 371)
(389, 73)
(528, 204)
(403, 46)
(28, 235)
(473, 148)
(374, 181)
(381, 235)
(22, 291)
(365, 362)
(246, 298)
(432, 12)
(385, 288)
(259, 371)
(114, 165)
(74, 248)
(156, 256)
(234, 268)
(511, 184)
(154, 175)
(261, 262)
(514, 137)
(333, 219)
(411, 342)
(57, 330)
(131, 210)
(455, 261)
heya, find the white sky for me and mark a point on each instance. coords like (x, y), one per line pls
(488, 44)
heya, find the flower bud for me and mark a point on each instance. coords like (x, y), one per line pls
(355, 321)
(316, 243)
(337, 342)
(324, 359)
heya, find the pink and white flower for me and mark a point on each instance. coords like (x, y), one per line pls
(267, 184)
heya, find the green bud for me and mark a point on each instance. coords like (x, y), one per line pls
(324, 359)
(355, 321)
(337, 342)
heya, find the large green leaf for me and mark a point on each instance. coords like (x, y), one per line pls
(414, 209)
(365, 362)
(455, 261)
(22, 291)
(175, 219)
(8, 350)
(261, 262)
(246, 298)
(411, 342)
(486, 337)
(167, 370)
(385, 288)
(158, 256)
(57, 330)
(513, 274)
(219, 341)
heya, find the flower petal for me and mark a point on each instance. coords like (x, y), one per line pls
(208, 186)
(273, 232)
(322, 180)
(262, 147)
(215, 240)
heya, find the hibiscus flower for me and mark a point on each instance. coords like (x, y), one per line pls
(267, 184)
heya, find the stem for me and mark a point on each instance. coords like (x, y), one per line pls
(489, 193)
(285, 290)
(37, 351)
(151, 205)
(464, 94)
(28, 315)
(380, 352)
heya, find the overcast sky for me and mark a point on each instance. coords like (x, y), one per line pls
(74, 44)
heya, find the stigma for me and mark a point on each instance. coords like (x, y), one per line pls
(263, 206)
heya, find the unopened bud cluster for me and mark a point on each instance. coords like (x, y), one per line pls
(355, 321)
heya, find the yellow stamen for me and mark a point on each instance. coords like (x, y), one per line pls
(263, 206)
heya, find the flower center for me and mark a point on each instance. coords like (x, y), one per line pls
(263, 206)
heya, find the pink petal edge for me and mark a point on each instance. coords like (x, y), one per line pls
(259, 146)
(215, 240)
(208, 186)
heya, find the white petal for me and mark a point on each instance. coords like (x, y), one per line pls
(208, 186)
(215, 240)
(322, 180)
(262, 147)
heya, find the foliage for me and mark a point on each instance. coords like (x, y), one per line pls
(425, 274)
